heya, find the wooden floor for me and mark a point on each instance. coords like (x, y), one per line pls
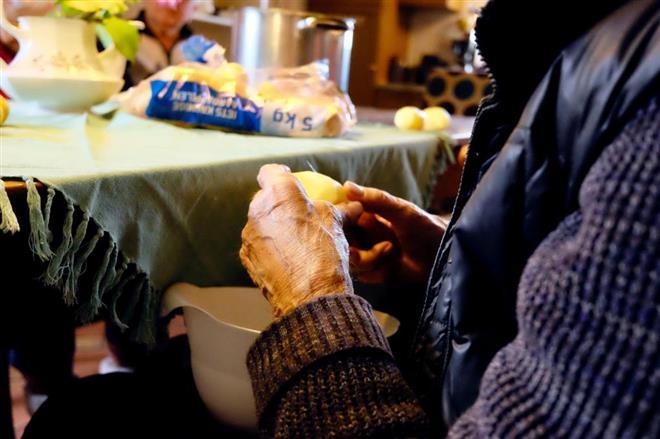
(91, 348)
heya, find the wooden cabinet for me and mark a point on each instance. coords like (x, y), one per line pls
(378, 36)
(398, 95)
(381, 33)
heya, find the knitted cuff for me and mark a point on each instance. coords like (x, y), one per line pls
(327, 325)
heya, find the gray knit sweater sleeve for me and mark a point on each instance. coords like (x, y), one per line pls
(586, 361)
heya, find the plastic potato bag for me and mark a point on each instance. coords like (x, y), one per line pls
(210, 92)
(198, 95)
(302, 102)
(195, 94)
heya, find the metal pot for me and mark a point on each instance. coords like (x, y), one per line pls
(282, 38)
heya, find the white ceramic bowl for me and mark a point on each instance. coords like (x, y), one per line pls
(222, 323)
(60, 94)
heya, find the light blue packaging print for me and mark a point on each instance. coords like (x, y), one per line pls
(198, 104)
(299, 119)
(200, 50)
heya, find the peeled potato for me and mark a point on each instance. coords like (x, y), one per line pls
(4, 110)
(437, 118)
(409, 118)
(321, 187)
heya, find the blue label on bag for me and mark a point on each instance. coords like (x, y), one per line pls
(198, 104)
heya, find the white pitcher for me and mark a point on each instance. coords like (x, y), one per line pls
(57, 64)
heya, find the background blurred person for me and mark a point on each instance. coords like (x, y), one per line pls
(166, 27)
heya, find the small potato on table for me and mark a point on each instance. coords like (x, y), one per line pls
(430, 119)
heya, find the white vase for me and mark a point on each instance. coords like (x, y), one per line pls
(58, 66)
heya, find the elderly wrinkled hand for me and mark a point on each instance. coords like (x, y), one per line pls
(293, 248)
(390, 238)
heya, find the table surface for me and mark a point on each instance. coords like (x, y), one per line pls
(174, 200)
(460, 127)
(459, 130)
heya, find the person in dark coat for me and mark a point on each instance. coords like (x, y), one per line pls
(541, 312)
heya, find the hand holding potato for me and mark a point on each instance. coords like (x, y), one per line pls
(399, 240)
(293, 248)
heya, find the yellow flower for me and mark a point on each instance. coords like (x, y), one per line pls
(114, 7)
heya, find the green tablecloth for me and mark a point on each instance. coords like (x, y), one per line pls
(173, 199)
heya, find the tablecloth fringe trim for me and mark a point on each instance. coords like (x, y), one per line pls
(66, 262)
(100, 284)
(139, 290)
(49, 204)
(9, 223)
(38, 241)
(59, 263)
(70, 278)
(117, 292)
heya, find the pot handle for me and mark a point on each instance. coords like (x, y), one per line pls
(12, 30)
(325, 23)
